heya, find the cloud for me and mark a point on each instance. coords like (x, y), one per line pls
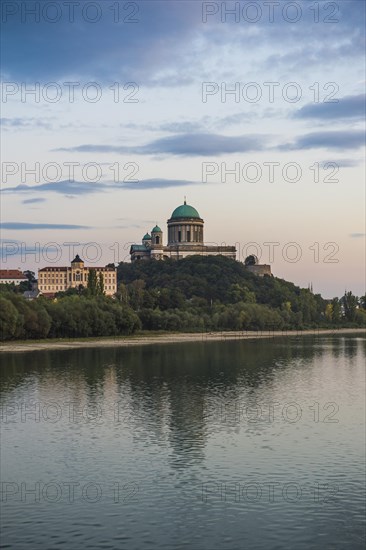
(298, 59)
(346, 163)
(165, 43)
(191, 144)
(49, 123)
(236, 118)
(158, 184)
(25, 123)
(33, 201)
(191, 126)
(130, 42)
(180, 127)
(203, 145)
(15, 226)
(64, 187)
(88, 148)
(195, 145)
(347, 107)
(83, 188)
(343, 139)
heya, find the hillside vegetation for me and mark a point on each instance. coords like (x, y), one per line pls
(216, 293)
(194, 294)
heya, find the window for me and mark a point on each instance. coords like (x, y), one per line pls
(179, 236)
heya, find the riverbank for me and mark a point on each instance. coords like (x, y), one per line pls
(164, 338)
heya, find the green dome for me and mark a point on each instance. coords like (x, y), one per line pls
(147, 237)
(185, 211)
(156, 229)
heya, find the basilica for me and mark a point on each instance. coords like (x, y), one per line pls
(185, 238)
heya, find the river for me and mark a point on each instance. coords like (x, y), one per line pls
(202, 446)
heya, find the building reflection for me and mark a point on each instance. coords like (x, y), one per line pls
(175, 396)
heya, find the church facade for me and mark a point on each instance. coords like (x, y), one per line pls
(185, 238)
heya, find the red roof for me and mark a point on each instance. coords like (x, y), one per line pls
(66, 268)
(11, 274)
(54, 269)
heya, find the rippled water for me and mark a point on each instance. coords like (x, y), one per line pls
(211, 445)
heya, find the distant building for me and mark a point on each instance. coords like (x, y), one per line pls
(251, 264)
(260, 269)
(32, 294)
(185, 238)
(59, 279)
(9, 276)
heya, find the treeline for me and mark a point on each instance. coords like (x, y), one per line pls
(216, 293)
(68, 317)
(194, 294)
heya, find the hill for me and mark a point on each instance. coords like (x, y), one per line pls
(217, 293)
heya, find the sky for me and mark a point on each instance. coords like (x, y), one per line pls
(113, 112)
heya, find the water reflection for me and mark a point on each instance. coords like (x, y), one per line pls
(149, 362)
(169, 418)
(173, 391)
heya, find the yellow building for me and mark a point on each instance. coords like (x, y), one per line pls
(58, 279)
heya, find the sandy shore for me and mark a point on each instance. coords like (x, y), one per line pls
(144, 339)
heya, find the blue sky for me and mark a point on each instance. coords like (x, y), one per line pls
(253, 110)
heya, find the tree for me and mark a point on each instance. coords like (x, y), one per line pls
(92, 282)
(239, 293)
(136, 293)
(336, 310)
(329, 312)
(122, 294)
(8, 319)
(349, 303)
(251, 260)
(308, 306)
(31, 276)
(100, 284)
(37, 321)
(31, 279)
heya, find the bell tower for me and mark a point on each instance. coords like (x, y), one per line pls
(157, 243)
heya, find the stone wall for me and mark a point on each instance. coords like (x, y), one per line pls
(259, 269)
